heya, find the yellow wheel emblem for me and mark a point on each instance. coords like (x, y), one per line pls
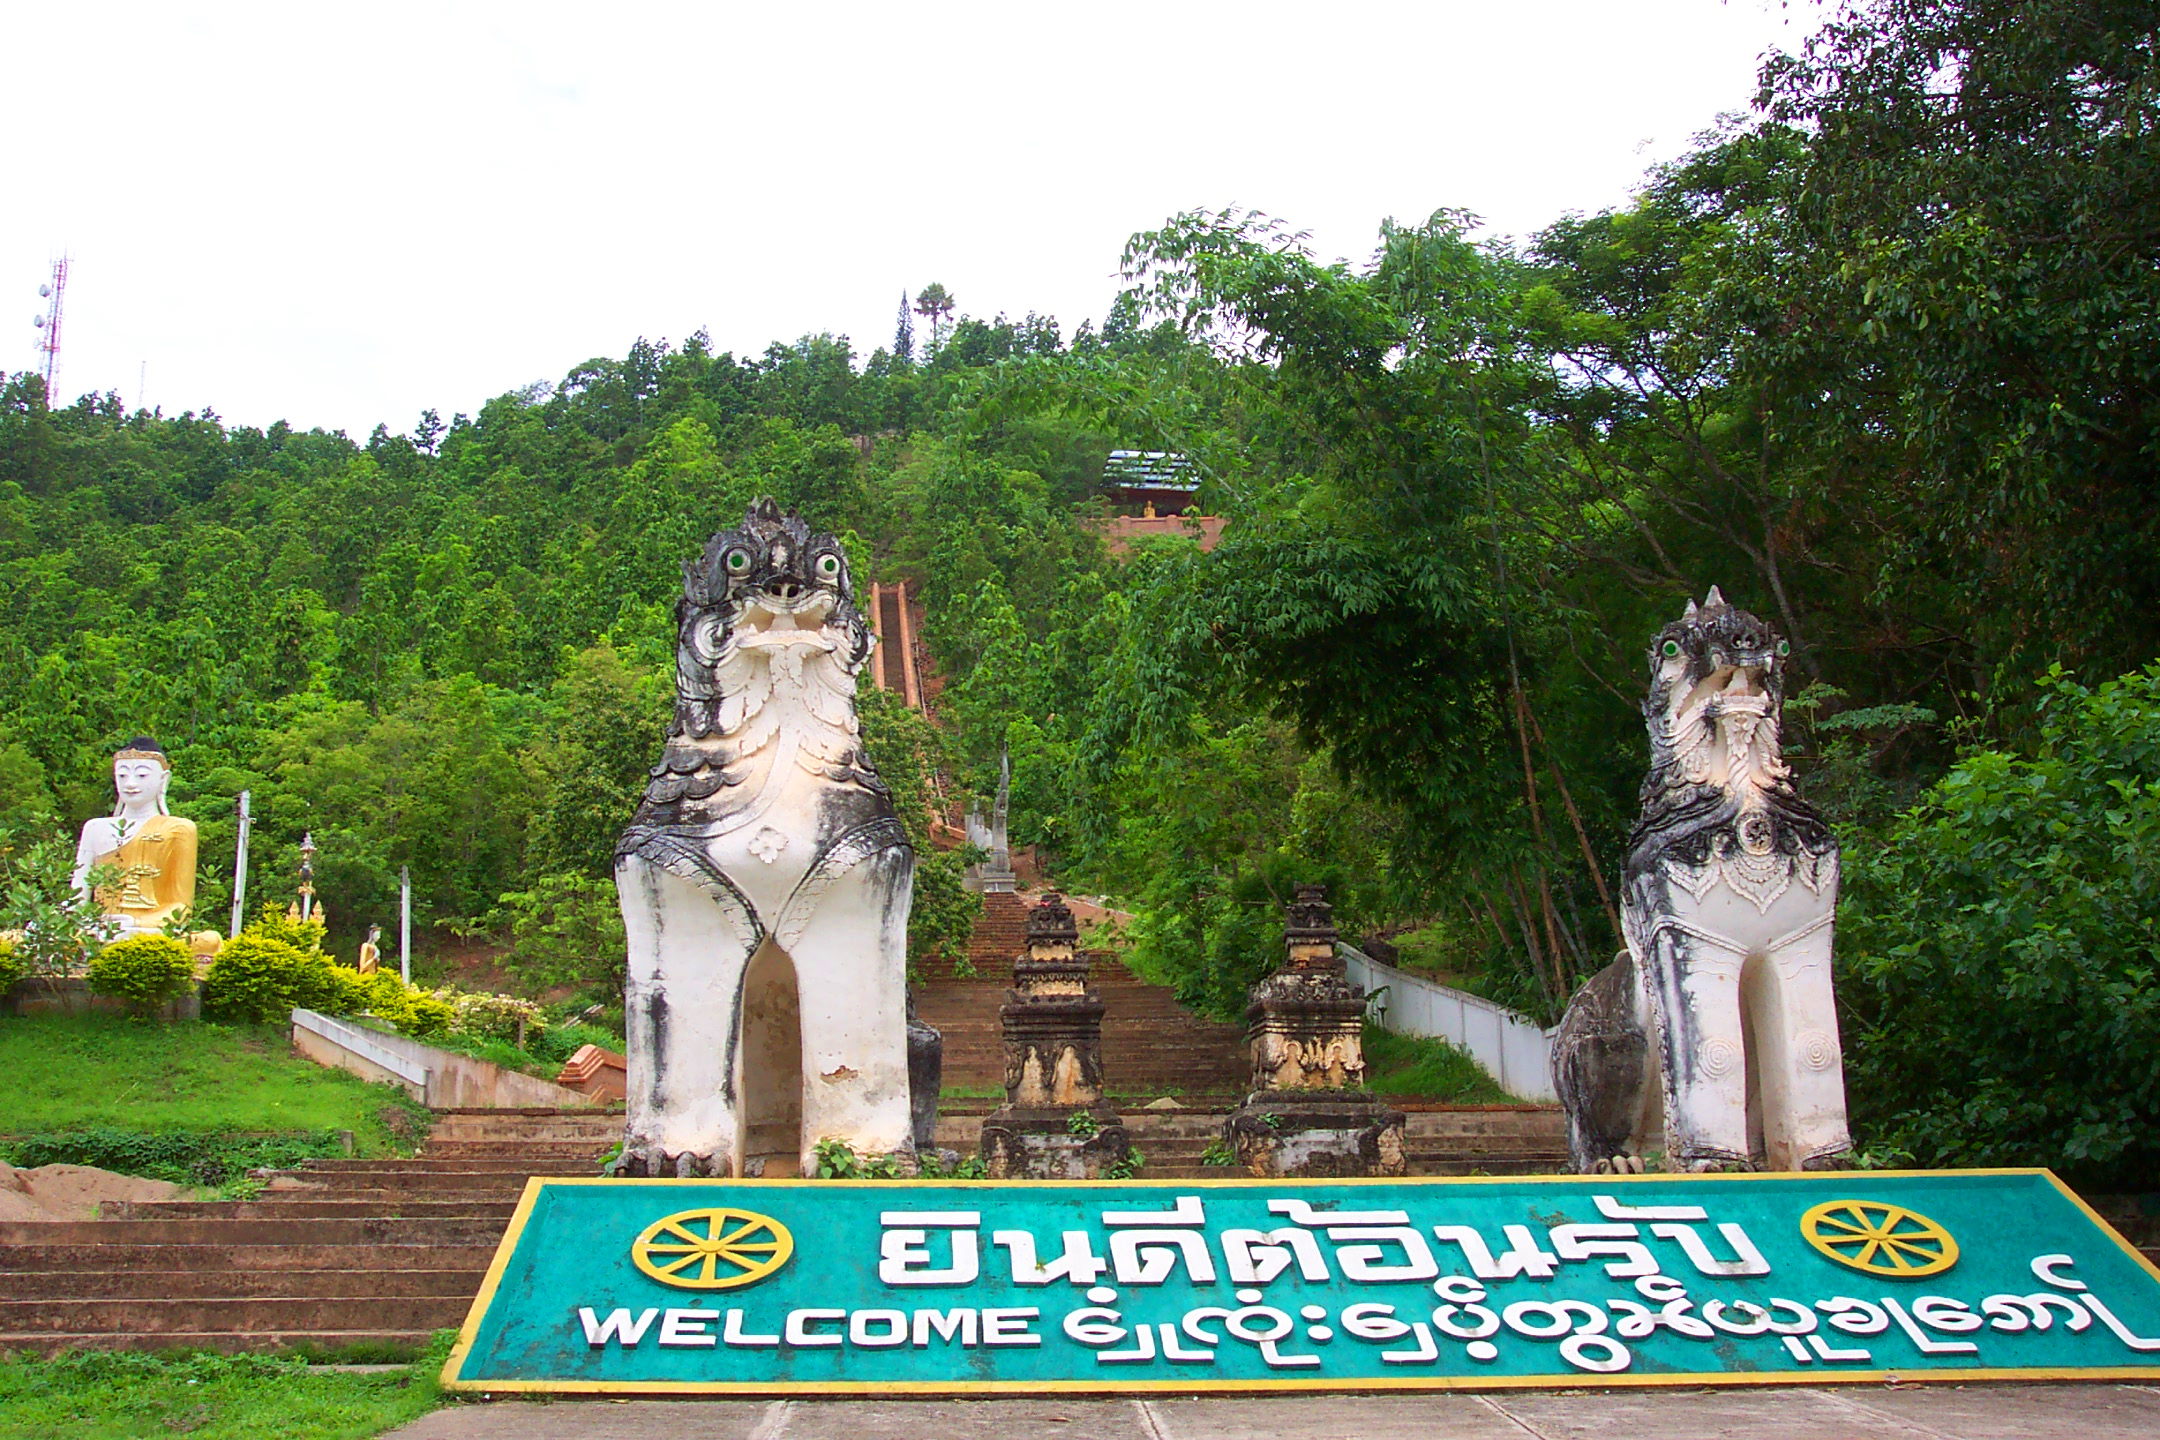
(1879, 1239)
(712, 1249)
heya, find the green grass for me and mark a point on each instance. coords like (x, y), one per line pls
(104, 1072)
(546, 1049)
(1429, 1069)
(127, 1396)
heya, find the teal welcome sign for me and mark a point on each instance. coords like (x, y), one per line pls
(781, 1287)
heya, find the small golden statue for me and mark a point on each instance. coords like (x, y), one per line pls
(153, 849)
(370, 950)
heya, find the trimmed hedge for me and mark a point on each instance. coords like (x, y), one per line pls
(256, 978)
(144, 970)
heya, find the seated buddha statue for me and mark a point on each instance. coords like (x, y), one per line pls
(153, 850)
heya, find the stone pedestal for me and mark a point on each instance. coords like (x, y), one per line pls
(1054, 1124)
(1308, 1114)
(926, 1073)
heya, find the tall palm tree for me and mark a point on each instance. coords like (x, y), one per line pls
(934, 304)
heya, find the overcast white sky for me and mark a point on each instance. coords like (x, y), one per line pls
(336, 215)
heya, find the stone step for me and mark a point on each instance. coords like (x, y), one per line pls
(537, 1135)
(378, 1343)
(550, 1152)
(1435, 1129)
(326, 1169)
(1156, 1169)
(359, 1233)
(159, 1317)
(63, 1257)
(519, 1112)
(222, 1282)
(388, 1205)
(415, 1184)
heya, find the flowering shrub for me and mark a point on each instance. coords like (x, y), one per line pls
(499, 1017)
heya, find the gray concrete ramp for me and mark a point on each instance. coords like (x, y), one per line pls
(1903, 1412)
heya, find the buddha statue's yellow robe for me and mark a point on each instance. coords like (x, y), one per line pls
(157, 863)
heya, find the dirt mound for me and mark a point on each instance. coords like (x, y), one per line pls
(72, 1192)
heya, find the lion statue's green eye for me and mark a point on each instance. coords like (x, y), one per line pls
(1784, 647)
(828, 565)
(738, 561)
(1672, 648)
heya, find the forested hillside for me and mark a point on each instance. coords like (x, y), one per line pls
(1881, 359)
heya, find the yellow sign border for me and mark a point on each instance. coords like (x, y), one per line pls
(469, 1332)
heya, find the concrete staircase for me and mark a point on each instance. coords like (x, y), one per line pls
(337, 1256)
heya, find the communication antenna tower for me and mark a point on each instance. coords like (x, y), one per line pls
(54, 293)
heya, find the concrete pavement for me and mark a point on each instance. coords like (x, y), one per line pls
(1903, 1412)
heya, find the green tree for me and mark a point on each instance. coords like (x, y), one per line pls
(934, 304)
(1999, 951)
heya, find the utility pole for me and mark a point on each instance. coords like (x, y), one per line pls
(239, 883)
(404, 924)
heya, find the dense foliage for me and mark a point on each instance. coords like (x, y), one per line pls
(2002, 950)
(1879, 359)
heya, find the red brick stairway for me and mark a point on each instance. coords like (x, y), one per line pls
(336, 1255)
(298, 1269)
(1152, 1046)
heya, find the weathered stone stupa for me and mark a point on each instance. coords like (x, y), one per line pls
(1308, 1114)
(1054, 1124)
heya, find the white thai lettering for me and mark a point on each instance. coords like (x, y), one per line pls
(1588, 1242)
(1079, 1263)
(1255, 1257)
(1748, 1261)
(1146, 1257)
(1369, 1263)
(1612, 1209)
(1523, 1257)
(904, 1258)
